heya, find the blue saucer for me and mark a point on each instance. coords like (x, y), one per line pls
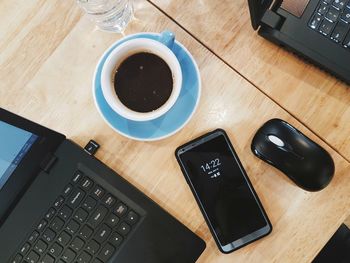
(166, 125)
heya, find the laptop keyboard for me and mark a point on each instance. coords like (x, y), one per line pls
(332, 19)
(85, 224)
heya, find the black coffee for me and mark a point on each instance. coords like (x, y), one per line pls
(143, 82)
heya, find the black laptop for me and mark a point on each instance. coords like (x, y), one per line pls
(317, 30)
(58, 204)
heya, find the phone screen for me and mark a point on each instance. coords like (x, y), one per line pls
(223, 189)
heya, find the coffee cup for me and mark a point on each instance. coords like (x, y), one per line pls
(126, 54)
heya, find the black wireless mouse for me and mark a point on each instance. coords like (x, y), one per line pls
(306, 163)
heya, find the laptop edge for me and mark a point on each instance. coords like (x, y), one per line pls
(293, 34)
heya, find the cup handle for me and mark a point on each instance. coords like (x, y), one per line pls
(167, 38)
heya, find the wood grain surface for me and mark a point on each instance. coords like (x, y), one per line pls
(59, 59)
(314, 97)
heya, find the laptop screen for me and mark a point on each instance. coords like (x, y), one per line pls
(24, 145)
(295, 7)
(15, 144)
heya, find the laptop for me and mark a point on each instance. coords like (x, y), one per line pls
(316, 30)
(58, 204)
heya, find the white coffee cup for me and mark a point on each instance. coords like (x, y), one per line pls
(162, 48)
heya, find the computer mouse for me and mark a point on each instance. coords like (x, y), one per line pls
(306, 163)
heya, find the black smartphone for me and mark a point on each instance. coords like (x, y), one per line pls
(222, 189)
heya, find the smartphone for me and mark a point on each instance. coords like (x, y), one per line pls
(222, 189)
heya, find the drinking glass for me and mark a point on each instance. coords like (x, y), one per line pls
(110, 15)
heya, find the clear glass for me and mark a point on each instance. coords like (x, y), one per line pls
(110, 15)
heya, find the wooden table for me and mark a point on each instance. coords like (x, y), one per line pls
(315, 98)
(48, 52)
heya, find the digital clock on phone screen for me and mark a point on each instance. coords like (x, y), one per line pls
(212, 168)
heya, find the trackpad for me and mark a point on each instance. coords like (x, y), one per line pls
(295, 7)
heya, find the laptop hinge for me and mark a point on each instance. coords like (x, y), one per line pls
(272, 19)
(48, 162)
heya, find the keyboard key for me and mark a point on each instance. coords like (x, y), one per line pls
(120, 210)
(65, 212)
(112, 220)
(339, 3)
(93, 247)
(116, 239)
(67, 190)
(57, 224)
(85, 232)
(103, 233)
(328, 1)
(33, 237)
(96, 260)
(77, 176)
(332, 14)
(24, 249)
(346, 15)
(84, 258)
(64, 238)
(47, 259)
(98, 192)
(40, 246)
(77, 244)
(80, 215)
(322, 8)
(32, 257)
(97, 216)
(132, 218)
(50, 214)
(123, 229)
(315, 21)
(56, 250)
(72, 227)
(17, 259)
(89, 203)
(109, 200)
(346, 42)
(75, 199)
(339, 32)
(68, 256)
(59, 201)
(49, 235)
(106, 252)
(41, 225)
(86, 183)
(326, 27)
